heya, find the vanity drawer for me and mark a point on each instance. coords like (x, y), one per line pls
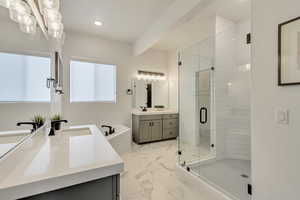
(150, 117)
(170, 123)
(170, 116)
(169, 133)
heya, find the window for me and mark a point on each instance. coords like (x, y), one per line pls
(23, 78)
(92, 82)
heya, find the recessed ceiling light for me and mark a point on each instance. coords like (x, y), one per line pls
(98, 23)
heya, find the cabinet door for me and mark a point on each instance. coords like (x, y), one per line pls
(145, 131)
(156, 130)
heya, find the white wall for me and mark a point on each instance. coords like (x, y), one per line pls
(275, 148)
(87, 48)
(108, 52)
(173, 79)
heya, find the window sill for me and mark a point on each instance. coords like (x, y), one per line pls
(74, 102)
(3, 102)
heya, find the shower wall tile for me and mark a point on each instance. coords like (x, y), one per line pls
(232, 79)
(238, 146)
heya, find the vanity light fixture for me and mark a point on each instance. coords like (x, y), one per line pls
(29, 13)
(152, 76)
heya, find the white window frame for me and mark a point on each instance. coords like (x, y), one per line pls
(94, 61)
(29, 53)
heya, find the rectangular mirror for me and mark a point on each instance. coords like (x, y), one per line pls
(150, 94)
(23, 95)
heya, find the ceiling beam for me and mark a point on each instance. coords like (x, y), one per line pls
(174, 14)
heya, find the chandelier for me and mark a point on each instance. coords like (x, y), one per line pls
(32, 13)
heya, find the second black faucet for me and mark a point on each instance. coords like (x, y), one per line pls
(53, 123)
(111, 130)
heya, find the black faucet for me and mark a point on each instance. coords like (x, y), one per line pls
(144, 109)
(34, 125)
(52, 130)
(111, 130)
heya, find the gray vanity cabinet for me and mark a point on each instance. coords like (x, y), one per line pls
(150, 128)
(150, 131)
(107, 188)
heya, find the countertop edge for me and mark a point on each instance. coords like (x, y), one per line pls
(55, 183)
(154, 113)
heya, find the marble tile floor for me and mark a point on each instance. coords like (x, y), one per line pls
(150, 174)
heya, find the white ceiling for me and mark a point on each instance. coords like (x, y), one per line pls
(127, 20)
(123, 20)
(235, 10)
(198, 28)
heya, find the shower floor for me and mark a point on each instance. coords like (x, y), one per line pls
(226, 174)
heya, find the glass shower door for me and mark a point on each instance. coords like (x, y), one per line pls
(196, 140)
(204, 107)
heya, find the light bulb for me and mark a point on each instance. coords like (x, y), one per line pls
(248, 67)
(28, 20)
(48, 4)
(56, 29)
(55, 26)
(28, 24)
(29, 29)
(152, 77)
(98, 23)
(18, 9)
(51, 4)
(52, 15)
(5, 3)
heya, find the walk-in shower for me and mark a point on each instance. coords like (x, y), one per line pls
(214, 106)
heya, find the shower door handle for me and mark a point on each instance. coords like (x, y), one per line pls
(203, 120)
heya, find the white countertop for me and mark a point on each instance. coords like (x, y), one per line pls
(10, 139)
(153, 112)
(43, 163)
(15, 132)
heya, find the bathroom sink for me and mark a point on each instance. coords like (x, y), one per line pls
(9, 141)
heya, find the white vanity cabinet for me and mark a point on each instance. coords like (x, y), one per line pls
(154, 127)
